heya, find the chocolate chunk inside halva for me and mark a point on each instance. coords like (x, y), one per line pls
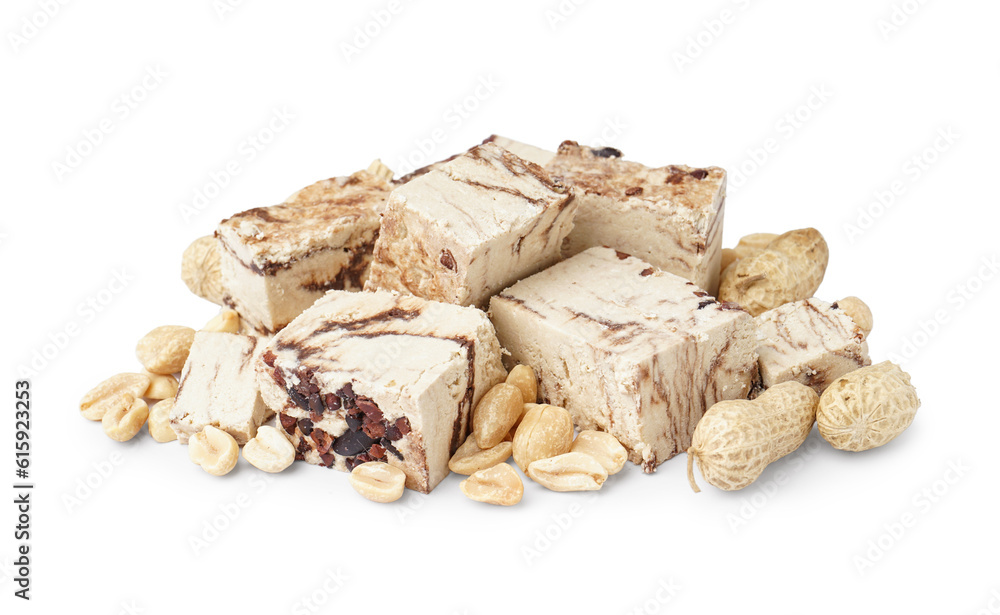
(377, 376)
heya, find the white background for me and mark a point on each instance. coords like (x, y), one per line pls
(814, 108)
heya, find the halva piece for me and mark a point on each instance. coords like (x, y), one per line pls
(461, 233)
(379, 376)
(627, 348)
(218, 387)
(810, 341)
(670, 216)
(277, 261)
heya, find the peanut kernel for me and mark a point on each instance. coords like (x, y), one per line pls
(378, 481)
(545, 431)
(269, 450)
(495, 415)
(161, 386)
(214, 450)
(568, 472)
(164, 350)
(469, 458)
(523, 377)
(104, 396)
(498, 485)
(124, 420)
(603, 447)
(226, 321)
(159, 421)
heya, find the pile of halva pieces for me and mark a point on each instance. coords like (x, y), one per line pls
(369, 323)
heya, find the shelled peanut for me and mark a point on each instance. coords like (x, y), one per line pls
(499, 485)
(96, 403)
(495, 414)
(125, 417)
(545, 431)
(226, 321)
(120, 401)
(214, 450)
(603, 447)
(161, 386)
(269, 450)
(568, 472)
(469, 458)
(378, 481)
(159, 421)
(523, 377)
(164, 350)
(542, 446)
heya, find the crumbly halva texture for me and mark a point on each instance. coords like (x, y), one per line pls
(277, 261)
(218, 387)
(670, 216)
(461, 233)
(811, 342)
(627, 348)
(530, 153)
(379, 376)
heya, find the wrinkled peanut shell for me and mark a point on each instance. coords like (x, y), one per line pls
(736, 439)
(729, 256)
(867, 408)
(752, 244)
(201, 269)
(790, 268)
